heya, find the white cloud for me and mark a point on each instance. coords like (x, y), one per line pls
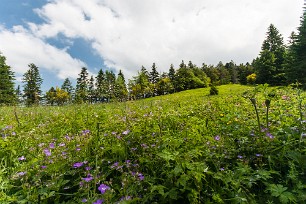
(22, 48)
(131, 33)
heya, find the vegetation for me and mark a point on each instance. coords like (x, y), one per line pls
(186, 147)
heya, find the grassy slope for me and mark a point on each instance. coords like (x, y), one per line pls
(172, 140)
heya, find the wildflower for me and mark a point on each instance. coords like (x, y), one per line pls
(43, 167)
(81, 184)
(126, 132)
(140, 176)
(269, 135)
(144, 146)
(217, 138)
(78, 149)
(47, 152)
(303, 135)
(133, 148)
(125, 198)
(99, 201)
(21, 173)
(115, 165)
(62, 144)
(258, 155)
(52, 145)
(240, 157)
(41, 144)
(88, 178)
(222, 169)
(87, 168)
(84, 200)
(102, 188)
(22, 158)
(85, 132)
(13, 133)
(67, 137)
(78, 164)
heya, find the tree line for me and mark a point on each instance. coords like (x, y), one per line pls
(277, 64)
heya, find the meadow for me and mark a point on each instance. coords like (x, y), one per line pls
(245, 145)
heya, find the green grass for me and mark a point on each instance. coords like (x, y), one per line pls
(187, 147)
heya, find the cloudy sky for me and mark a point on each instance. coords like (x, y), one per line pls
(61, 36)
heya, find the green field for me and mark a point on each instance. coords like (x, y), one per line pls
(186, 147)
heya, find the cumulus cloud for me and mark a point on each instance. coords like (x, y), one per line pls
(129, 33)
(22, 48)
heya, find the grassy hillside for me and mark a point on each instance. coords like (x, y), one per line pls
(187, 147)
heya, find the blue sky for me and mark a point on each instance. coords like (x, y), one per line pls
(61, 36)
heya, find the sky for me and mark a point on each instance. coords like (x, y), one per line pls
(62, 36)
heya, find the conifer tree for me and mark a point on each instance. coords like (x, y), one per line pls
(82, 86)
(270, 63)
(32, 83)
(154, 78)
(67, 87)
(91, 90)
(7, 92)
(296, 71)
(100, 86)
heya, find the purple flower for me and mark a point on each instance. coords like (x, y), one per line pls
(102, 188)
(78, 149)
(133, 148)
(88, 178)
(140, 176)
(125, 198)
(126, 132)
(144, 146)
(84, 200)
(222, 169)
(41, 144)
(269, 135)
(115, 165)
(240, 157)
(62, 144)
(13, 133)
(22, 158)
(43, 167)
(217, 138)
(78, 164)
(87, 168)
(52, 145)
(47, 152)
(21, 173)
(98, 201)
(258, 155)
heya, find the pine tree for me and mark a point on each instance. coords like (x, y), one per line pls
(82, 86)
(31, 89)
(120, 88)
(110, 79)
(270, 64)
(154, 78)
(51, 96)
(7, 92)
(101, 86)
(18, 95)
(297, 69)
(67, 87)
(91, 90)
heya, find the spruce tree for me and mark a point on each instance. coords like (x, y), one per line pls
(296, 71)
(67, 87)
(100, 86)
(91, 90)
(32, 83)
(270, 63)
(81, 91)
(7, 92)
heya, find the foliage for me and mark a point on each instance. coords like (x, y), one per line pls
(180, 148)
(7, 92)
(213, 90)
(251, 78)
(297, 55)
(270, 63)
(32, 85)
